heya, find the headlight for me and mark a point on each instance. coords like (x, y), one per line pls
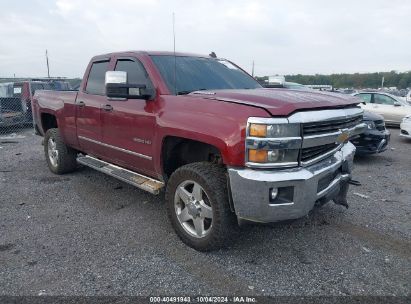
(273, 156)
(370, 125)
(272, 145)
(274, 130)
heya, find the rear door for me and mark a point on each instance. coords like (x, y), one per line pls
(88, 106)
(385, 105)
(128, 124)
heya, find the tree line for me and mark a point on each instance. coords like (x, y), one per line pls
(358, 80)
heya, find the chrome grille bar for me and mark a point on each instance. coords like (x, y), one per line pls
(330, 126)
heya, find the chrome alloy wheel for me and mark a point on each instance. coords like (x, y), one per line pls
(53, 153)
(193, 209)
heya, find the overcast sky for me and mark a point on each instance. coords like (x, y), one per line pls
(282, 37)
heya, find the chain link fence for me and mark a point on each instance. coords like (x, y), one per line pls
(15, 109)
(16, 97)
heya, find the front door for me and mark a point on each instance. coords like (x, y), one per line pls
(128, 124)
(385, 105)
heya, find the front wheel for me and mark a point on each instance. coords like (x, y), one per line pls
(197, 205)
(60, 158)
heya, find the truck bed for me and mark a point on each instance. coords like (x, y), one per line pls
(53, 100)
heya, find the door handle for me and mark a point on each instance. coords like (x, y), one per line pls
(108, 108)
(81, 103)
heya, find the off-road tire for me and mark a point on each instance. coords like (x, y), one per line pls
(212, 178)
(66, 159)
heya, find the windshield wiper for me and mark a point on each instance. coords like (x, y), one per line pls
(188, 92)
(183, 92)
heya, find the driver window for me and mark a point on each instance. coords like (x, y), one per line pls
(365, 97)
(383, 99)
(136, 74)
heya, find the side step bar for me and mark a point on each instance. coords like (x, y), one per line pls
(140, 181)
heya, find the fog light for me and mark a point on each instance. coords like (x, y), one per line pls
(273, 193)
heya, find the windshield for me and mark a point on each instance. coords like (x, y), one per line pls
(399, 99)
(199, 73)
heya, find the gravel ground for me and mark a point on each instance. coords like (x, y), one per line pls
(88, 234)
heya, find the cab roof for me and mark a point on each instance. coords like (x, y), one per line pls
(150, 53)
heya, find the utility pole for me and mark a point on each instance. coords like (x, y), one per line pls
(252, 70)
(48, 68)
(174, 53)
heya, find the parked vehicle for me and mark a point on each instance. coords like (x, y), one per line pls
(408, 97)
(375, 138)
(279, 82)
(11, 108)
(225, 149)
(348, 91)
(288, 85)
(392, 108)
(25, 90)
(405, 127)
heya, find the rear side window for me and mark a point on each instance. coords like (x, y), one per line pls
(136, 74)
(365, 97)
(95, 82)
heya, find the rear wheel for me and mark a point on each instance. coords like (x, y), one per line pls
(60, 158)
(197, 205)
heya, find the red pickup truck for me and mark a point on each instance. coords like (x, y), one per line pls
(226, 150)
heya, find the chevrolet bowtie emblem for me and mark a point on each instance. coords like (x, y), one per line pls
(343, 137)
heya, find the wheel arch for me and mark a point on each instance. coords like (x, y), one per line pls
(179, 151)
(48, 121)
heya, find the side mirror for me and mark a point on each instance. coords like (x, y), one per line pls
(117, 87)
(397, 104)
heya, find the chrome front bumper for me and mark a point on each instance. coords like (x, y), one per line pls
(298, 188)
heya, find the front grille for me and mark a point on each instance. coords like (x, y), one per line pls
(322, 127)
(308, 154)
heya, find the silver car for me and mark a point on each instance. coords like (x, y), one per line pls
(392, 108)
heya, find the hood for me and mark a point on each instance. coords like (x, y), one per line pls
(372, 116)
(280, 102)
